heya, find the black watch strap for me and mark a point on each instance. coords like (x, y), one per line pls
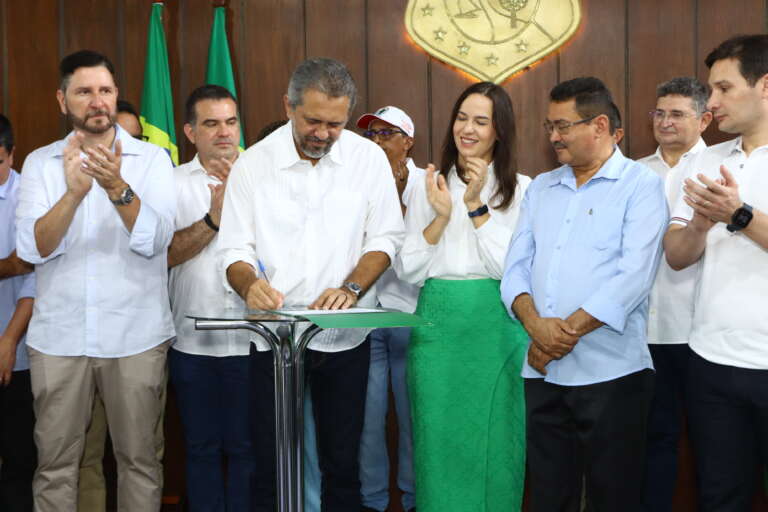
(208, 220)
(480, 211)
(740, 219)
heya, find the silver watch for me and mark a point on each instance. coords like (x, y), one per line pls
(126, 196)
(353, 287)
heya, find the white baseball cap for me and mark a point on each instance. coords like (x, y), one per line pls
(391, 115)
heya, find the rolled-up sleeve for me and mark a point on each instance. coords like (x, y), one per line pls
(413, 261)
(154, 226)
(519, 260)
(236, 235)
(33, 204)
(644, 226)
(384, 229)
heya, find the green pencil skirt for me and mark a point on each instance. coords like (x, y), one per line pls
(467, 399)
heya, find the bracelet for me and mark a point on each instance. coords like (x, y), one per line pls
(480, 211)
(208, 220)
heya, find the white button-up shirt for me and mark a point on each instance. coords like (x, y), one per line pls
(730, 324)
(670, 312)
(103, 292)
(394, 293)
(12, 288)
(195, 285)
(310, 225)
(463, 252)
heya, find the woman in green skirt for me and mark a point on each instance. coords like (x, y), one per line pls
(466, 392)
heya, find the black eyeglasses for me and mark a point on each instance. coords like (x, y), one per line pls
(563, 126)
(384, 133)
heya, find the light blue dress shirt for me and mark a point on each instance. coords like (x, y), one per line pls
(12, 288)
(595, 247)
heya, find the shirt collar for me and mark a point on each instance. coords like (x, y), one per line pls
(5, 186)
(737, 146)
(131, 146)
(194, 165)
(288, 156)
(611, 170)
(700, 144)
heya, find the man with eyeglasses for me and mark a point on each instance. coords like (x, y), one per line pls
(578, 272)
(393, 130)
(679, 119)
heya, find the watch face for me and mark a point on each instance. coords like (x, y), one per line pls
(742, 217)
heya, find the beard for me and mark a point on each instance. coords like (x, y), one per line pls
(311, 151)
(81, 123)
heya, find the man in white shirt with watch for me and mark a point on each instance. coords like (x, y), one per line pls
(721, 221)
(679, 119)
(317, 206)
(95, 216)
(209, 369)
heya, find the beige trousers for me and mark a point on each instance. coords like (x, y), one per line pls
(131, 388)
(91, 487)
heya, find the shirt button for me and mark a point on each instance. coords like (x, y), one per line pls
(741, 166)
(558, 247)
(567, 221)
(652, 311)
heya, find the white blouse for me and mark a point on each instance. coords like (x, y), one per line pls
(463, 251)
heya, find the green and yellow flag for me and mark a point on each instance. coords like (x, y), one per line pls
(219, 63)
(156, 97)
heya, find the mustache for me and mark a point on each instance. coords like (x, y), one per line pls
(559, 145)
(94, 113)
(312, 138)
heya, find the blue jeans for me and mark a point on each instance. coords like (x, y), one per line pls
(213, 394)
(389, 348)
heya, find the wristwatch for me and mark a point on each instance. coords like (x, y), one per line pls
(740, 219)
(353, 287)
(126, 196)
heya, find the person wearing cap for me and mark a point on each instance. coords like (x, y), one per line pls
(393, 130)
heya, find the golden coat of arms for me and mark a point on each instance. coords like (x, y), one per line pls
(491, 39)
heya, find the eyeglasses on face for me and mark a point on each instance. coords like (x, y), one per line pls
(563, 126)
(384, 133)
(675, 116)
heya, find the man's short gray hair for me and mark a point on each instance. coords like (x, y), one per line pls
(688, 87)
(328, 76)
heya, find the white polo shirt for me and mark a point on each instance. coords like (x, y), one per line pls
(670, 312)
(730, 323)
(195, 286)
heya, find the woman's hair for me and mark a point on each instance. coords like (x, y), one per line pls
(504, 149)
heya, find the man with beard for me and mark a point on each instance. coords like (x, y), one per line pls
(95, 216)
(317, 206)
(209, 369)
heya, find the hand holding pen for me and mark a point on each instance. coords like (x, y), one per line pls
(261, 295)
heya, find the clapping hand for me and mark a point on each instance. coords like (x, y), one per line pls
(438, 195)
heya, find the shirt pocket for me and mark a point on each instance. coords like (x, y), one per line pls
(605, 228)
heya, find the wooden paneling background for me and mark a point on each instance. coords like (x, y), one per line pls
(631, 44)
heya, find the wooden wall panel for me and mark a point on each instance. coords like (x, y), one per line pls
(33, 75)
(344, 42)
(530, 96)
(661, 45)
(398, 73)
(134, 41)
(273, 41)
(3, 59)
(91, 25)
(598, 49)
(195, 20)
(716, 22)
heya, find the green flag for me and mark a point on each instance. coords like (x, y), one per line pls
(156, 97)
(219, 63)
